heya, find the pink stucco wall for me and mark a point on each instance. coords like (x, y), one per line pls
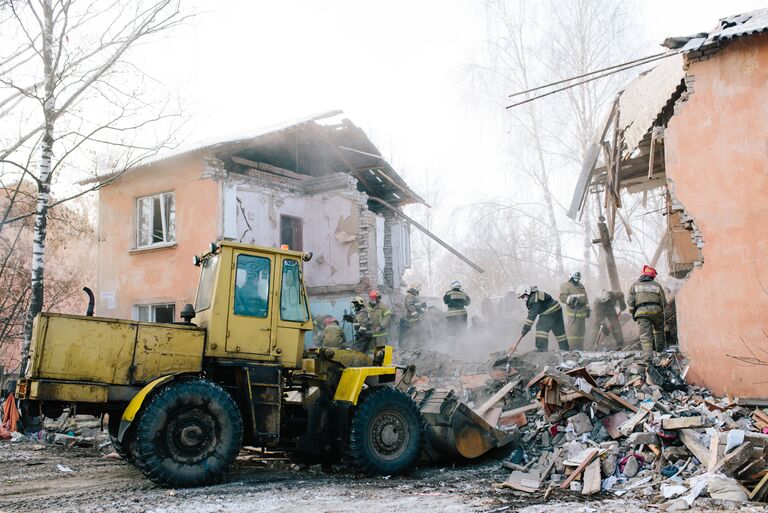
(163, 275)
(717, 156)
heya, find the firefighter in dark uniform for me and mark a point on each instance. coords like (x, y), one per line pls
(412, 325)
(646, 302)
(361, 325)
(456, 318)
(606, 320)
(333, 335)
(550, 314)
(574, 296)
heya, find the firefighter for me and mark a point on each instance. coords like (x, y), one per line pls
(333, 335)
(550, 314)
(606, 320)
(456, 318)
(378, 315)
(574, 296)
(411, 326)
(646, 302)
(361, 324)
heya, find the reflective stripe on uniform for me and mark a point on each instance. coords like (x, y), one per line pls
(528, 322)
(552, 309)
(579, 314)
(561, 338)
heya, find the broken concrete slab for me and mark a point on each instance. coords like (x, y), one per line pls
(672, 423)
(643, 438)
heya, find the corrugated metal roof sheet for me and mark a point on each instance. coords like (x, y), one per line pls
(729, 28)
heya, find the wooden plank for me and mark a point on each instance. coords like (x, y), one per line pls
(686, 422)
(622, 401)
(759, 490)
(576, 473)
(551, 464)
(523, 481)
(268, 168)
(492, 416)
(591, 478)
(716, 452)
(691, 440)
(629, 425)
(498, 396)
(522, 409)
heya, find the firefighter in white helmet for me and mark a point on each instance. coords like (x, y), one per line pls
(550, 317)
(574, 296)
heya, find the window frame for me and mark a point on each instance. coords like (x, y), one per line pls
(299, 236)
(300, 284)
(153, 311)
(162, 196)
(268, 297)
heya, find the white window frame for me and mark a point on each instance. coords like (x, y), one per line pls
(165, 242)
(153, 311)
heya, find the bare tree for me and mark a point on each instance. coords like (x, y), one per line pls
(533, 43)
(68, 83)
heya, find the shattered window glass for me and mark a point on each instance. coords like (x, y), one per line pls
(156, 220)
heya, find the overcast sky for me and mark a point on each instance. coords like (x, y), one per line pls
(393, 66)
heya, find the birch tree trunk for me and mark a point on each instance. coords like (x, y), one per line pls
(37, 292)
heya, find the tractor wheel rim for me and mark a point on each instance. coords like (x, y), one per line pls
(389, 435)
(191, 436)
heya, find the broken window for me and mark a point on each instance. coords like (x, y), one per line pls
(155, 313)
(291, 233)
(156, 220)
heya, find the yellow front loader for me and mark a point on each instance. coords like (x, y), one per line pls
(183, 398)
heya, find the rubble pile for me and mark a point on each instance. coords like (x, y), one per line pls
(608, 423)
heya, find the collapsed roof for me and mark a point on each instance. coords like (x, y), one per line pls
(308, 148)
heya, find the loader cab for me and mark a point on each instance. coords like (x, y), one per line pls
(253, 303)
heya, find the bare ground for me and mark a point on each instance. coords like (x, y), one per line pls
(31, 482)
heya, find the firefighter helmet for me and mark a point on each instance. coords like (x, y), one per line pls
(576, 276)
(357, 300)
(455, 285)
(648, 271)
(523, 291)
(374, 295)
(329, 320)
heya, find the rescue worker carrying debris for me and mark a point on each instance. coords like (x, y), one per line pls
(379, 316)
(646, 302)
(574, 296)
(606, 320)
(412, 325)
(550, 314)
(456, 318)
(361, 324)
(333, 335)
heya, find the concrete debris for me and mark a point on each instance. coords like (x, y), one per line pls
(607, 423)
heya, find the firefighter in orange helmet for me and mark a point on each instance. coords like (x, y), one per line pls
(646, 301)
(333, 335)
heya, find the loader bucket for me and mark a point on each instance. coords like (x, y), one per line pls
(454, 431)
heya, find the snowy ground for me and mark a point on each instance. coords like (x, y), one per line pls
(31, 482)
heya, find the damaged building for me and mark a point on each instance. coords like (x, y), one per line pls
(694, 128)
(315, 184)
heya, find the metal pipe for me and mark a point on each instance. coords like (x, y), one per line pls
(428, 233)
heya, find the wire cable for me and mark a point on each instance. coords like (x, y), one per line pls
(626, 66)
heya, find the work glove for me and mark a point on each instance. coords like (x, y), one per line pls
(526, 329)
(589, 312)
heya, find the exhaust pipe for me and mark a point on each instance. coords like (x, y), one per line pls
(91, 301)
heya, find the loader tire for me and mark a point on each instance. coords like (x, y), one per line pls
(188, 435)
(386, 433)
(123, 449)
